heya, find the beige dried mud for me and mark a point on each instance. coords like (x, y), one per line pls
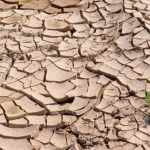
(74, 74)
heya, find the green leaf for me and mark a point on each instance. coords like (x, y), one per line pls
(147, 96)
(148, 99)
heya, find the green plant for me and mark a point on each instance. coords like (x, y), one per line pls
(148, 99)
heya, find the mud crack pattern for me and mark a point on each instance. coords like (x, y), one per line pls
(74, 74)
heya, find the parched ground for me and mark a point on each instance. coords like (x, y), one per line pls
(74, 74)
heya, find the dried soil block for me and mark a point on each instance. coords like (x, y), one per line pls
(73, 9)
(45, 135)
(12, 46)
(37, 144)
(33, 67)
(54, 74)
(75, 18)
(36, 5)
(12, 111)
(62, 17)
(78, 103)
(38, 98)
(82, 127)
(53, 24)
(25, 12)
(30, 107)
(87, 74)
(28, 132)
(136, 102)
(65, 64)
(108, 71)
(54, 33)
(5, 95)
(33, 22)
(36, 120)
(124, 39)
(6, 14)
(15, 73)
(94, 88)
(92, 115)
(54, 121)
(15, 18)
(103, 104)
(81, 27)
(31, 31)
(6, 6)
(3, 120)
(40, 89)
(18, 1)
(65, 3)
(11, 144)
(52, 10)
(114, 7)
(58, 90)
(67, 46)
(41, 47)
(68, 119)
(92, 17)
(18, 123)
(59, 139)
(81, 88)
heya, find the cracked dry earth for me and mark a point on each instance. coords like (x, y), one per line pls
(74, 74)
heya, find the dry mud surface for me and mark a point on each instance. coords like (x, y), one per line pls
(74, 74)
